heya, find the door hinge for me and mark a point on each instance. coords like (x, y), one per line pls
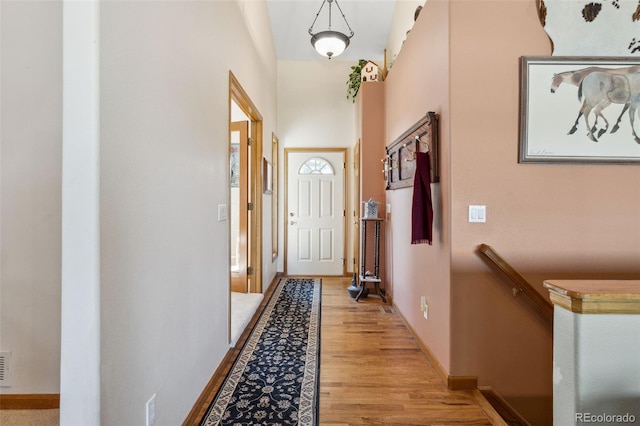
(344, 213)
(250, 142)
(249, 206)
(344, 261)
(249, 270)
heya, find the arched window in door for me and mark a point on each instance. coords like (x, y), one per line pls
(316, 166)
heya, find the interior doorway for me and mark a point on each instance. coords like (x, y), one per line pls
(238, 212)
(356, 207)
(245, 202)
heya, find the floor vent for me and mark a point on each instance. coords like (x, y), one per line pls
(5, 368)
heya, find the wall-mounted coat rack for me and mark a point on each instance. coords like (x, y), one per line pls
(400, 164)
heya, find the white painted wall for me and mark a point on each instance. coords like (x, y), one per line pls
(31, 144)
(313, 111)
(164, 258)
(402, 22)
(164, 169)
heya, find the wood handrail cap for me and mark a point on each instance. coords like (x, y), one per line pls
(596, 296)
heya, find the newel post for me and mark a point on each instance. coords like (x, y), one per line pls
(596, 351)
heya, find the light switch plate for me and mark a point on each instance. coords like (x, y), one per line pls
(151, 411)
(222, 212)
(477, 213)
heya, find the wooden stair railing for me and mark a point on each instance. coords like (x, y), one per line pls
(545, 307)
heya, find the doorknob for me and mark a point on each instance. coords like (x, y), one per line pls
(293, 222)
(291, 214)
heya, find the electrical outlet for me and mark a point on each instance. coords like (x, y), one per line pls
(151, 410)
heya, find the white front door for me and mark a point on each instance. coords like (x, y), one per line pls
(315, 216)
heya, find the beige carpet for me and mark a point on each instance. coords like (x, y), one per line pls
(243, 306)
(30, 417)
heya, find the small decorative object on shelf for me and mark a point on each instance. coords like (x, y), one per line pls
(417, 13)
(370, 72)
(370, 209)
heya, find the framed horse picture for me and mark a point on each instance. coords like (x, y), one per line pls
(580, 110)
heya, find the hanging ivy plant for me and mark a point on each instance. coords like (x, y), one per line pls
(353, 84)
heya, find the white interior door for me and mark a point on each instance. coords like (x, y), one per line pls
(315, 216)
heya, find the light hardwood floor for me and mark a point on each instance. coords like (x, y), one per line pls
(372, 371)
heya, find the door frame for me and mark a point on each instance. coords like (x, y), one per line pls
(242, 242)
(356, 207)
(238, 95)
(344, 201)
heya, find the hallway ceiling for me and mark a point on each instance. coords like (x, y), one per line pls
(370, 20)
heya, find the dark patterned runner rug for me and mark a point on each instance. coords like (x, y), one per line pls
(275, 379)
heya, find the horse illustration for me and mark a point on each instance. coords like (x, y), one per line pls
(575, 78)
(601, 89)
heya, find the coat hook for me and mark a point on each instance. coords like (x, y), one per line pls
(413, 152)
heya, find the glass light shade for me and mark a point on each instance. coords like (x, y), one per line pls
(330, 43)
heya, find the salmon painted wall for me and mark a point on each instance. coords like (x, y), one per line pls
(417, 83)
(495, 336)
(548, 221)
(461, 60)
(370, 113)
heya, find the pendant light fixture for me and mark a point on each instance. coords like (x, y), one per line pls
(330, 43)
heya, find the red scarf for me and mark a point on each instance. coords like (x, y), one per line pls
(422, 210)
